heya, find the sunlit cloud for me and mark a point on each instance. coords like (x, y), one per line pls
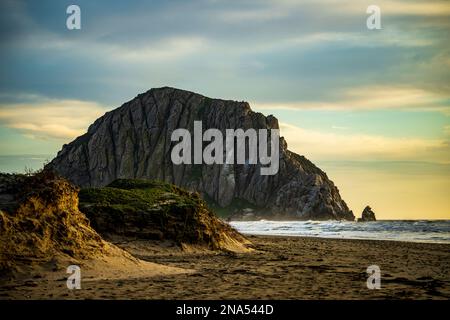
(425, 8)
(253, 15)
(447, 130)
(167, 49)
(320, 145)
(339, 128)
(389, 7)
(50, 118)
(389, 37)
(372, 97)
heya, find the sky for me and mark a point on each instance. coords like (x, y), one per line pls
(369, 107)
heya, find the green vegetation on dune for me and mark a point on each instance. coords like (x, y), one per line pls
(154, 210)
(136, 195)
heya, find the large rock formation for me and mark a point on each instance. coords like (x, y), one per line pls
(134, 141)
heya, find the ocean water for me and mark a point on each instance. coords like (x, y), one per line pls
(434, 231)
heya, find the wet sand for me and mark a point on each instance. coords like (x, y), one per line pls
(278, 268)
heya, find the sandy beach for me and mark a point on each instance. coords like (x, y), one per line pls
(277, 268)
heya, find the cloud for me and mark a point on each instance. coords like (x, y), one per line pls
(253, 15)
(50, 118)
(447, 130)
(167, 49)
(285, 49)
(370, 98)
(425, 8)
(337, 146)
(339, 127)
(389, 7)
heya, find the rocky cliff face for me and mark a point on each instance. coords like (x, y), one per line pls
(134, 141)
